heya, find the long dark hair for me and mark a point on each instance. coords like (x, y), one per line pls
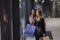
(34, 14)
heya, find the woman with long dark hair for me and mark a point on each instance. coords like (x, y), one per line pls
(40, 24)
(32, 14)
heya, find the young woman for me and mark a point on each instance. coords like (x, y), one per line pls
(32, 14)
(40, 24)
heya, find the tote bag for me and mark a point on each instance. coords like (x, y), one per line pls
(30, 30)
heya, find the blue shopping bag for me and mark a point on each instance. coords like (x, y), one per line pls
(30, 30)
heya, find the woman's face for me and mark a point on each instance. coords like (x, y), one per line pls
(33, 12)
(37, 13)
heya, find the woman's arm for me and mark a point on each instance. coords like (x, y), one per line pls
(43, 26)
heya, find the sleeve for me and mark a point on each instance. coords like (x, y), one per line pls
(43, 26)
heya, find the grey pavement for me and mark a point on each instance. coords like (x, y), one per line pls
(53, 25)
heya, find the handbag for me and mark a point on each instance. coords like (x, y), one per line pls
(30, 30)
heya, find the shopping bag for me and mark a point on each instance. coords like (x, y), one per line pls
(30, 30)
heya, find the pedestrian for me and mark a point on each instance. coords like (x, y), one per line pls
(40, 24)
(32, 14)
